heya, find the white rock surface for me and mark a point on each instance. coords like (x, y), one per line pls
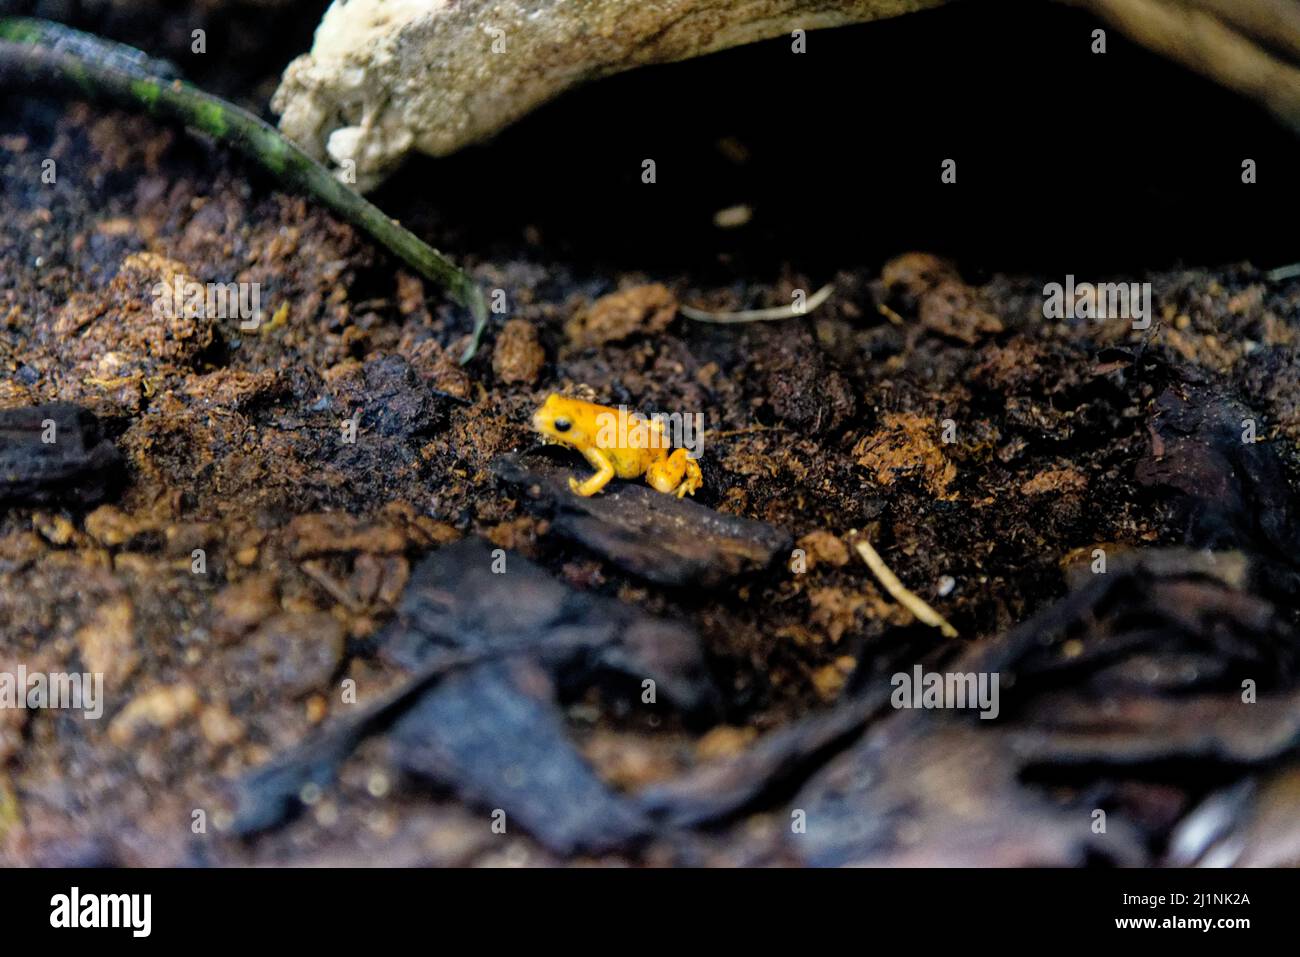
(385, 77)
(388, 76)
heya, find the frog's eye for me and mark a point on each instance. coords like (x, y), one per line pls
(562, 425)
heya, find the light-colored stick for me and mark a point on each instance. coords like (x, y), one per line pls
(760, 315)
(912, 602)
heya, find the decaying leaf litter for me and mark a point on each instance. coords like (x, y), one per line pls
(329, 561)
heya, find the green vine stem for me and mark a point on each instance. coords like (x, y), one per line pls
(41, 56)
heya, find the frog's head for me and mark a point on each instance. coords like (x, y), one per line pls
(563, 420)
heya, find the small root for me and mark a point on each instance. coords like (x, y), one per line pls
(760, 315)
(898, 591)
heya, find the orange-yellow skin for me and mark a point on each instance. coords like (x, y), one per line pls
(617, 444)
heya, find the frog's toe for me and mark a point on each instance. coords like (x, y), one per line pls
(592, 485)
(689, 485)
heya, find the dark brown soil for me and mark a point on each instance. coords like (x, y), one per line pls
(234, 444)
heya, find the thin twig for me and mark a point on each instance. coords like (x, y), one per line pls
(38, 55)
(912, 602)
(760, 315)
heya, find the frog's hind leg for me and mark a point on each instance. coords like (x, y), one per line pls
(604, 467)
(679, 474)
(694, 478)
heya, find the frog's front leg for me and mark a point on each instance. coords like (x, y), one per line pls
(679, 473)
(604, 466)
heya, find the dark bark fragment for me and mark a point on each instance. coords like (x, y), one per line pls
(55, 453)
(488, 726)
(492, 734)
(666, 540)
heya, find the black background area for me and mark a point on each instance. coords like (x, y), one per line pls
(1066, 159)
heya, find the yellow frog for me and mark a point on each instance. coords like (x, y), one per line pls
(617, 442)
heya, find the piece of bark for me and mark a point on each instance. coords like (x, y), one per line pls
(1211, 453)
(718, 790)
(55, 453)
(917, 794)
(493, 732)
(1065, 717)
(492, 640)
(493, 735)
(469, 598)
(658, 537)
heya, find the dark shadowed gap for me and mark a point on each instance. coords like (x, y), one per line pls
(1066, 159)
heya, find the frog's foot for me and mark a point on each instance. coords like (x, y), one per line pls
(604, 472)
(694, 478)
(678, 474)
(591, 486)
